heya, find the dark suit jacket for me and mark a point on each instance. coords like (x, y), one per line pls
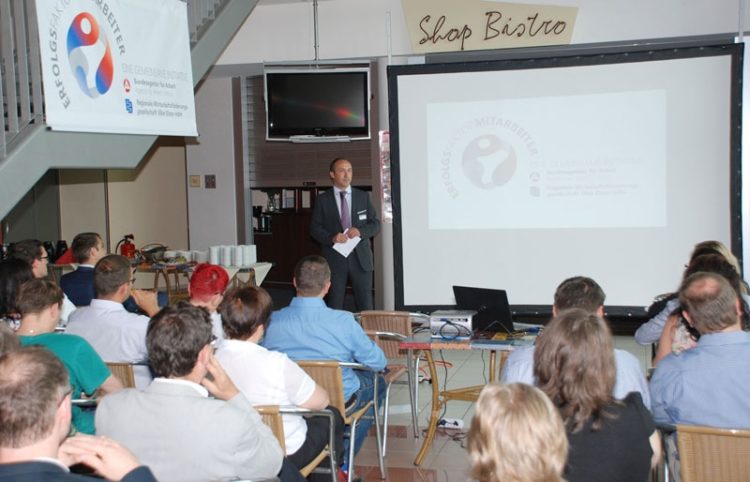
(79, 285)
(49, 472)
(326, 222)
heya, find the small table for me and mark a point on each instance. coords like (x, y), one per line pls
(425, 342)
(252, 275)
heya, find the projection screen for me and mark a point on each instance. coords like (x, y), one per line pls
(517, 174)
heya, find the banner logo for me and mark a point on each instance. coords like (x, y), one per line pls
(90, 56)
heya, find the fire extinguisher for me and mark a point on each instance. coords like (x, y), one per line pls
(126, 246)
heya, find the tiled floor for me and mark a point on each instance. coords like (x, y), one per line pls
(447, 459)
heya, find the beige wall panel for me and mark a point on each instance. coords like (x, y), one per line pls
(150, 202)
(82, 203)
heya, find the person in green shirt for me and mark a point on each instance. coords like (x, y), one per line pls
(39, 303)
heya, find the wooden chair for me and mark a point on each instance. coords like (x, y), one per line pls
(713, 454)
(328, 374)
(123, 371)
(272, 416)
(390, 328)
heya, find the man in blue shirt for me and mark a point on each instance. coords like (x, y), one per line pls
(708, 384)
(308, 330)
(585, 293)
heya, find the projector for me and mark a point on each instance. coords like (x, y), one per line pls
(451, 324)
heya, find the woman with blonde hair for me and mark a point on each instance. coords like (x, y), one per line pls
(574, 365)
(516, 436)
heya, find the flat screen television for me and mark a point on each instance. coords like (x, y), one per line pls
(317, 103)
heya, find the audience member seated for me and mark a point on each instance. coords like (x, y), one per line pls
(245, 312)
(207, 285)
(35, 413)
(8, 339)
(574, 364)
(78, 285)
(174, 426)
(39, 303)
(116, 334)
(709, 384)
(584, 293)
(308, 330)
(678, 335)
(659, 311)
(13, 273)
(516, 435)
(32, 251)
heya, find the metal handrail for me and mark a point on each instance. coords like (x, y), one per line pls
(20, 65)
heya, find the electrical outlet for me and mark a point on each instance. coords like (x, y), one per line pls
(194, 180)
(452, 423)
(210, 181)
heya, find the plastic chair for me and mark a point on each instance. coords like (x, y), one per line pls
(272, 416)
(390, 328)
(328, 374)
(123, 371)
(710, 454)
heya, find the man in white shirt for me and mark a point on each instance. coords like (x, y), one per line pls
(585, 293)
(175, 427)
(116, 334)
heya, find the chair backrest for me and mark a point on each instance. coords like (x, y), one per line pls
(388, 321)
(327, 374)
(713, 454)
(271, 417)
(123, 371)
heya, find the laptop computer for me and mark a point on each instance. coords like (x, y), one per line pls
(493, 311)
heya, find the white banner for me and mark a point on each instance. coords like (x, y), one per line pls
(120, 66)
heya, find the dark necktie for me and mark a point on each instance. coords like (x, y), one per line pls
(346, 220)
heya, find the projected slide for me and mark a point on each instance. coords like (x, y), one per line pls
(518, 174)
(552, 162)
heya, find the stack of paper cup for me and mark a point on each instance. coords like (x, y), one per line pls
(226, 255)
(200, 256)
(214, 254)
(249, 255)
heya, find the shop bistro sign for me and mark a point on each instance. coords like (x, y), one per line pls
(449, 25)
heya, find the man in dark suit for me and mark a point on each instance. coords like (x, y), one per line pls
(35, 414)
(88, 248)
(340, 214)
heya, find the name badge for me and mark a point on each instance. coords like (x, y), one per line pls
(362, 215)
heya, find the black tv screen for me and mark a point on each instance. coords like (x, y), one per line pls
(317, 103)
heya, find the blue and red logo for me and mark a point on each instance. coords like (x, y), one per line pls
(89, 55)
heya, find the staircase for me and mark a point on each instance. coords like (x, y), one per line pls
(28, 148)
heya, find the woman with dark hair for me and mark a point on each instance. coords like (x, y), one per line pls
(678, 335)
(574, 365)
(665, 305)
(13, 273)
(268, 377)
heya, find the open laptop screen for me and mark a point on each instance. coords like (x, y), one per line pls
(493, 311)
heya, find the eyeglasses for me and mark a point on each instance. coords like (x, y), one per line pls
(43, 257)
(214, 342)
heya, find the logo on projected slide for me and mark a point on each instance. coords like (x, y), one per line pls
(89, 55)
(489, 161)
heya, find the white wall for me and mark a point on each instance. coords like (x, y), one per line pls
(357, 28)
(213, 212)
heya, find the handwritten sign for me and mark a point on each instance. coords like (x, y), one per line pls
(447, 25)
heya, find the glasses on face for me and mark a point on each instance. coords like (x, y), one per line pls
(44, 258)
(214, 342)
